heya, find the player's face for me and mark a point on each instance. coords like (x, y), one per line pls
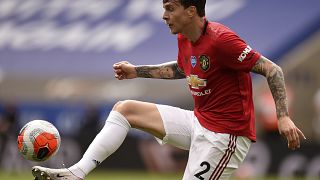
(175, 16)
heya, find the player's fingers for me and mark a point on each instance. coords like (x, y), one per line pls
(124, 62)
(118, 64)
(289, 139)
(121, 77)
(117, 71)
(296, 139)
(300, 133)
(118, 76)
(121, 62)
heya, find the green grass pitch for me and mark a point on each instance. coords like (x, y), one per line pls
(100, 175)
(117, 175)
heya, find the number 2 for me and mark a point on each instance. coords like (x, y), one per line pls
(198, 175)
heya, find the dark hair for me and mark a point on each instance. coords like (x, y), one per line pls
(199, 4)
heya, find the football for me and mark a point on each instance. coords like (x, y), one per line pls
(38, 140)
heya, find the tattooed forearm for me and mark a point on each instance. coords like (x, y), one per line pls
(275, 79)
(163, 71)
(276, 83)
(145, 71)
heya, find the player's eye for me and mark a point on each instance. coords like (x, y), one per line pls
(169, 8)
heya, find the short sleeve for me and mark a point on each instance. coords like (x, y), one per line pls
(234, 53)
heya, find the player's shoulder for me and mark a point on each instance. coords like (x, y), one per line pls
(216, 29)
(220, 32)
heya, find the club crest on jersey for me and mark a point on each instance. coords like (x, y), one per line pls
(193, 60)
(204, 62)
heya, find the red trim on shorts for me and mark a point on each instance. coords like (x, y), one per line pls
(225, 158)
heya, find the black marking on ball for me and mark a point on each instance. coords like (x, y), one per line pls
(43, 152)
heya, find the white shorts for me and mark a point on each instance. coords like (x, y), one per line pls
(212, 155)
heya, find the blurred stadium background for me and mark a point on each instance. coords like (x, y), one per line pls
(56, 64)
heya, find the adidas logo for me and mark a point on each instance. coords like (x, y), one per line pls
(96, 162)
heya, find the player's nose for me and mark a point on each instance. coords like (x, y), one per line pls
(165, 16)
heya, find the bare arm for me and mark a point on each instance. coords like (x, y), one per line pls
(168, 70)
(275, 78)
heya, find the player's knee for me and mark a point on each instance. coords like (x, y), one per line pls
(116, 105)
(124, 107)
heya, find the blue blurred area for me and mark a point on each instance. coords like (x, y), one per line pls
(63, 38)
(67, 117)
(274, 27)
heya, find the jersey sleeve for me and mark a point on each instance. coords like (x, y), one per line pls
(234, 53)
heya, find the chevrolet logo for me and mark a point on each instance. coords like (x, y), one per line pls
(196, 82)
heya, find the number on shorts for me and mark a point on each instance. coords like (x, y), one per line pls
(204, 163)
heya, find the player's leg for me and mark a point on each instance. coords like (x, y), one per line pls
(125, 114)
(215, 156)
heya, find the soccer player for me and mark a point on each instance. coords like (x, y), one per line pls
(216, 64)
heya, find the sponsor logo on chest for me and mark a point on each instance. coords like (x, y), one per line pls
(195, 82)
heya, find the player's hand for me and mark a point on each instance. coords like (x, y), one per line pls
(124, 70)
(289, 130)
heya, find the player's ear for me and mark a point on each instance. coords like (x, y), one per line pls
(191, 11)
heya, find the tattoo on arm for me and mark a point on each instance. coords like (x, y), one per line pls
(168, 70)
(275, 79)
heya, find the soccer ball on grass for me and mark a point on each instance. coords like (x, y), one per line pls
(38, 140)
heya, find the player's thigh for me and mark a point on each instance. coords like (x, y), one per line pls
(215, 156)
(179, 126)
(142, 115)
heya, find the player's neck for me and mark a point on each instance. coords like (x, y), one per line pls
(195, 29)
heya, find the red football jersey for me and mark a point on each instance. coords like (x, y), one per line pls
(217, 68)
